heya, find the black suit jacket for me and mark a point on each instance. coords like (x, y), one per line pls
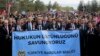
(68, 26)
(59, 27)
(45, 26)
(2, 34)
(11, 29)
(25, 26)
(51, 26)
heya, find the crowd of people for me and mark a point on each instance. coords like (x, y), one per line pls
(87, 23)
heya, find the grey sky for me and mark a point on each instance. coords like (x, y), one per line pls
(72, 3)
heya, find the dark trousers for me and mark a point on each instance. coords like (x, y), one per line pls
(91, 45)
(83, 43)
(83, 47)
(7, 48)
(2, 46)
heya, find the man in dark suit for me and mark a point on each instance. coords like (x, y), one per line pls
(98, 28)
(72, 25)
(29, 24)
(18, 26)
(2, 39)
(83, 30)
(59, 24)
(91, 40)
(97, 40)
(63, 25)
(39, 24)
(68, 25)
(7, 41)
(50, 24)
(15, 15)
(53, 25)
(45, 23)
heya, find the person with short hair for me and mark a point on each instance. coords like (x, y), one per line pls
(18, 26)
(29, 24)
(91, 38)
(39, 23)
(45, 23)
(2, 38)
(7, 39)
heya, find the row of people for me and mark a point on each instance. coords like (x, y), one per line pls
(89, 30)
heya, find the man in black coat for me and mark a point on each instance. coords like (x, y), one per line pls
(97, 39)
(2, 39)
(5, 31)
(91, 40)
(83, 40)
(39, 25)
(83, 30)
(59, 26)
(53, 25)
(45, 24)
